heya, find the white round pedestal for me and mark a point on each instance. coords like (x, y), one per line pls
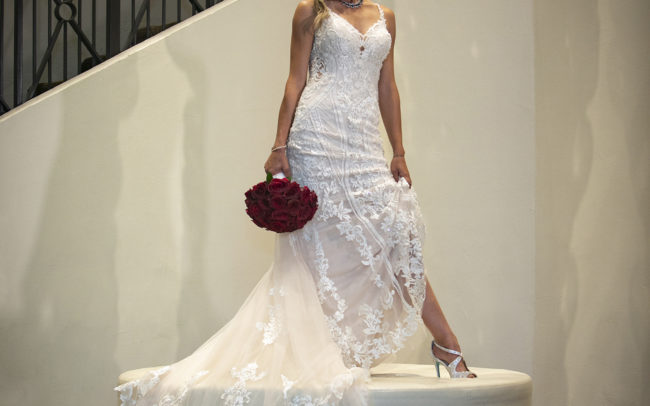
(418, 385)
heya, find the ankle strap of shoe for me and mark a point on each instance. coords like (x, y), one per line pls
(447, 349)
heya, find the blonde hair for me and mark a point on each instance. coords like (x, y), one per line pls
(321, 13)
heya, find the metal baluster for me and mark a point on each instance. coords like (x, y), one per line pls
(148, 19)
(132, 42)
(18, 52)
(94, 23)
(2, 29)
(112, 28)
(79, 13)
(34, 37)
(65, 51)
(49, 36)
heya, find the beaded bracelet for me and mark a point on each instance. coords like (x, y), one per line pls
(277, 148)
(398, 156)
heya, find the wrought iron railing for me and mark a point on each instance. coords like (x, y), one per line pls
(49, 54)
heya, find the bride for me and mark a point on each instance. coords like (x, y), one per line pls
(345, 291)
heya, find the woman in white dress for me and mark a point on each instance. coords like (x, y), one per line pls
(345, 291)
(361, 18)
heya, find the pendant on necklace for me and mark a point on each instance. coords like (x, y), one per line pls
(351, 5)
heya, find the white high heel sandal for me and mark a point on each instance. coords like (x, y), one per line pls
(451, 367)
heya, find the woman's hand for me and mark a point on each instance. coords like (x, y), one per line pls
(278, 162)
(398, 168)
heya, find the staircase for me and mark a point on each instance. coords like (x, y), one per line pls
(96, 29)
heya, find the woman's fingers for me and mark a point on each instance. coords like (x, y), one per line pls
(275, 164)
(406, 176)
(401, 172)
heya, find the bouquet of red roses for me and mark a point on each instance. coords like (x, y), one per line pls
(280, 205)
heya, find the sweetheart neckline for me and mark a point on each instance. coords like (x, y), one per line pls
(355, 28)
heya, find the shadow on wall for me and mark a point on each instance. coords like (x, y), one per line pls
(69, 291)
(628, 58)
(593, 194)
(630, 54)
(226, 122)
(193, 292)
(567, 42)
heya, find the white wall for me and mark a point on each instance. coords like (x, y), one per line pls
(465, 74)
(592, 330)
(125, 243)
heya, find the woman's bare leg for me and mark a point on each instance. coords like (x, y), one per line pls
(436, 322)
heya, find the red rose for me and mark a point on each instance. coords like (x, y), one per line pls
(293, 204)
(292, 190)
(258, 223)
(305, 212)
(280, 215)
(254, 210)
(305, 197)
(260, 190)
(277, 226)
(277, 202)
(278, 185)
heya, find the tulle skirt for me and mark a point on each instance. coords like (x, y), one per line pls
(341, 295)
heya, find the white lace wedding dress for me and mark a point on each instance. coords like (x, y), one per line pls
(342, 293)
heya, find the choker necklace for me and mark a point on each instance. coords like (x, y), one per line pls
(351, 5)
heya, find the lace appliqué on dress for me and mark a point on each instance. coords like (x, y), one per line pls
(177, 398)
(131, 392)
(272, 328)
(238, 394)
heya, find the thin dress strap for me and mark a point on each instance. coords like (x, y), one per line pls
(381, 11)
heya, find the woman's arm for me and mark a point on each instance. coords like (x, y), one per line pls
(389, 105)
(302, 37)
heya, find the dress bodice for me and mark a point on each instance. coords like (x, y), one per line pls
(342, 55)
(340, 99)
